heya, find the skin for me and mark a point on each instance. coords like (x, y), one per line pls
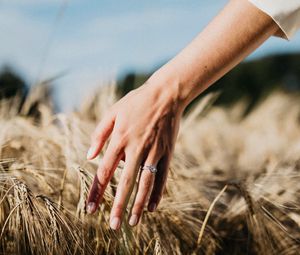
(143, 125)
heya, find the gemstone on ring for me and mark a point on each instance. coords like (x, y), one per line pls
(151, 168)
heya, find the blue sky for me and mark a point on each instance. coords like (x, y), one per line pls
(93, 41)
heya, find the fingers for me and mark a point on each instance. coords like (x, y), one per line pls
(124, 190)
(100, 135)
(106, 168)
(159, 182)
(145, 185)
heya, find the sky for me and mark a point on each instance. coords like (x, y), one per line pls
(87, 43)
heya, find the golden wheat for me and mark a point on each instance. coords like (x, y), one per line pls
(44, 181)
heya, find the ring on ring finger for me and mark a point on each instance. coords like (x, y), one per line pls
(151, 168)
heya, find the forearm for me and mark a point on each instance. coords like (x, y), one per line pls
(237, 30)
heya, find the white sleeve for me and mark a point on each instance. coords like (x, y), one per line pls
(286, 13)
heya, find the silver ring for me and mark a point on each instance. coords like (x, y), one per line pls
(151, 168)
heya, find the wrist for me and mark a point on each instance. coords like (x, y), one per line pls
(166, 84)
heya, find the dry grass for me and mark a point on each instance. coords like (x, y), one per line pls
(45, 178)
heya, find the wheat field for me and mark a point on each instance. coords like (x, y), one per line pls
(233, 186)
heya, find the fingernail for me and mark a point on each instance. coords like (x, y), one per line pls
(133, 220)
(90, 153)
(152, 207)
(91, 207)
(115, 223)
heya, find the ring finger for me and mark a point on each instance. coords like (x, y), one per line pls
(145, 184)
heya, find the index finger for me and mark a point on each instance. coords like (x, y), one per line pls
(107, 166)
(100, 135)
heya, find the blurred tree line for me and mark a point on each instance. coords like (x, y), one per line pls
(13, 86)
(251, 80)
(11, 83)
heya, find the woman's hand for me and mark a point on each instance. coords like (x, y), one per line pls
(143, 126)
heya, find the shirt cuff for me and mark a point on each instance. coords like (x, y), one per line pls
(285, 13)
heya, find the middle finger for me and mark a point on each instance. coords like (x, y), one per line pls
(124, 189)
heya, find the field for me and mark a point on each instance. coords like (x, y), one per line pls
(233, 188)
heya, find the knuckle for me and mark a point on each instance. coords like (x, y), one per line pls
(130, 93)
(126, 181)
(135, 149)
(107, 114)
(120, 145)
(138, 206)
(118, 208)
(120, 138)
(97, 136)
(103, 174)
(116, 149)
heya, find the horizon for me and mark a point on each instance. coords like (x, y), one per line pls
(97, 42)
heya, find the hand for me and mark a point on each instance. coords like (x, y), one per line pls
(143, 126)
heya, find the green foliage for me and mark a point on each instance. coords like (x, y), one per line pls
(131, 81)
(11, 83)
(252, 80)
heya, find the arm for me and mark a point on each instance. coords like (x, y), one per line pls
(143, 125)
(237, 31)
